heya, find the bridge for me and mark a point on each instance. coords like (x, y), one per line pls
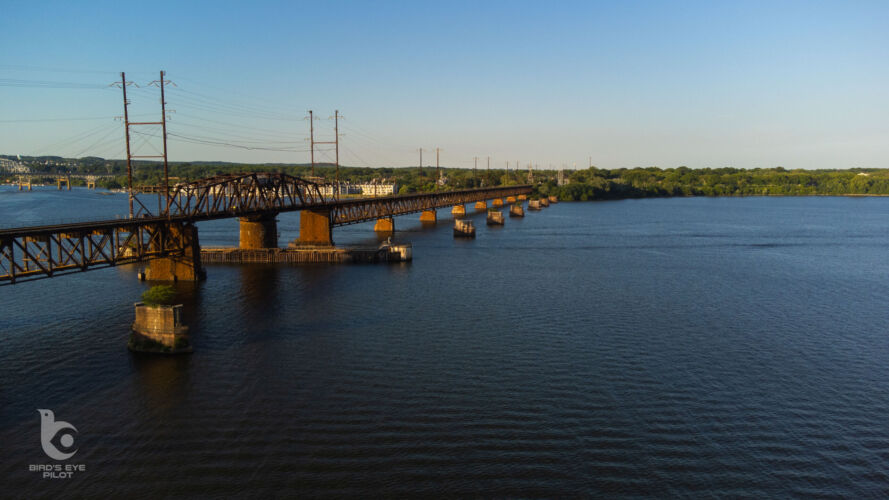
(169, 242)
(24, 180)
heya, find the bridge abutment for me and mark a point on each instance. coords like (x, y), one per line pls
(185, 267)
(258, 231)
(315, 228)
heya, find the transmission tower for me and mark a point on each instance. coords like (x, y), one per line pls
(130, 156)
(336, 142)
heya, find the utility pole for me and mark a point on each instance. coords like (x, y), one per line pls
(475, 168)
(126, 123)
(437, 167)
(336, 134)
(312, 139)
(591, 162)
(421, 160)
(164, 129)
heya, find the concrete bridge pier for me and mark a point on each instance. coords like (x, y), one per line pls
(429, 216)
(258, 231)
(315, 228)
(481, 205)
(185, 267)
(385, 225)
(510, 199)
(498, 202)
(458, 210)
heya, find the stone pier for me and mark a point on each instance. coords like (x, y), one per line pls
(497, 202)
(315, 228)
(185, 267)
(459, 210)
(385, 225)
(429, 216)
(159, 329)
(258, 231)
(510, 199)
(481, 205)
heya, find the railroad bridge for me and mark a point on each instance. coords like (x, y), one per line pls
(169, 242)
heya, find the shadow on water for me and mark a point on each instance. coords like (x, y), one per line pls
(161, 381)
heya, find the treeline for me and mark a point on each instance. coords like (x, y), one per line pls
(581, 185)
(601, 184)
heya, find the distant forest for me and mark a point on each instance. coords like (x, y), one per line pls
(577, 185)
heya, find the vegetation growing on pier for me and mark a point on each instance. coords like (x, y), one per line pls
(159, 295)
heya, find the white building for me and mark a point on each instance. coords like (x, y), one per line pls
(373, 188)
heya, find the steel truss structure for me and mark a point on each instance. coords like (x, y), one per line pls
(50, 251)
(367, 209)
(242, 193)
(30, 253)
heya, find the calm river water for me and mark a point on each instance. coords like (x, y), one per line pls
(666, 347)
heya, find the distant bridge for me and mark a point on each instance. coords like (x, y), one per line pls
(60, 179)
(170, 241)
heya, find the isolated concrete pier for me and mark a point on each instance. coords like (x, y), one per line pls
(495, 218)
(516, 210)
(159, 329)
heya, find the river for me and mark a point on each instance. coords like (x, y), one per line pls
(658, 347)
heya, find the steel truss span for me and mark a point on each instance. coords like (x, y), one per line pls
(52, 252)
(30, 253)
(367, 209)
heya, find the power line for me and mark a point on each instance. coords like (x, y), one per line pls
(11, 82)
(232, 145)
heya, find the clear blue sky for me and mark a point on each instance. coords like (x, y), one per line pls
(742, 83)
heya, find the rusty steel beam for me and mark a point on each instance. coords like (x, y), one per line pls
(48, 253)
(29, 253)
(367, 209)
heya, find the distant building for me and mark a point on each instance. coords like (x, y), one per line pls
(372, 188)
(376, 188)
(13, 166)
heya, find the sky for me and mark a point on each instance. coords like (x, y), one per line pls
(617, 84)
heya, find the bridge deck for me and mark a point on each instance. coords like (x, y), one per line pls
(46, 251)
